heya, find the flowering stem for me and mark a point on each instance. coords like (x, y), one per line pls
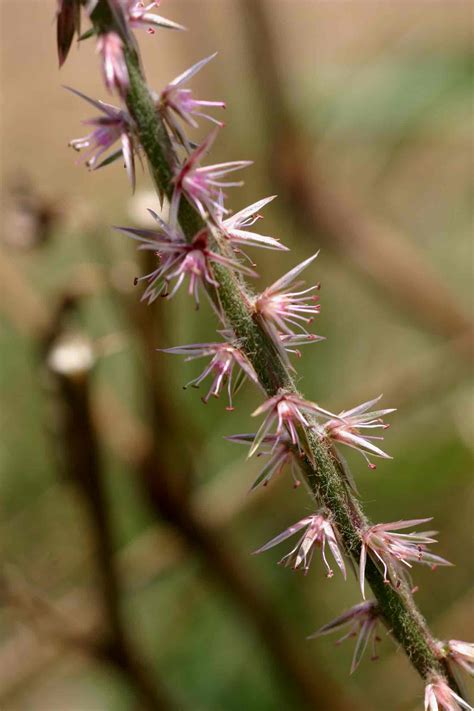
(324, 474)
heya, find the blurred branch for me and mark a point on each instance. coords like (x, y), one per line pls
(47, 620)
(376, 249)
(127, 436)
(429, 376)
(157, 550)
(150, 326)
(71, 360)
(25, 653)
(30, 217)
(22, 304)
(75, 622)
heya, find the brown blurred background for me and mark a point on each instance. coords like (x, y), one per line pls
(126, 579)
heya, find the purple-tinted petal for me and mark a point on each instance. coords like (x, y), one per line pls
(290, 276)
(397, 525)
(334, 547)
(159, 21)
(285, 534)
(357, 442)
(111, 111)
(247, 212)
(253, 239)
(361, 644)
(189, 73)
(359, 409)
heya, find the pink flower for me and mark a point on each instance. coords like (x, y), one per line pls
(289, 412)
(175, 100)
(224, 357)
(319, 530)
(110, 47)
(202, 185)
(114, 125)
(462, 653)
(439, 697)
(361, 621)
(139, 17)
(346, 429)
(280, 453)
(68, 16)
(286, 309)
(392, 549)
(179, 259)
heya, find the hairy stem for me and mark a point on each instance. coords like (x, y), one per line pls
(323, 474)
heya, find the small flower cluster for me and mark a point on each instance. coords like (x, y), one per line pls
(284, 311)
(393, 550)
(225, 356)
(361, 621)
(114, 124)
(280, 453)
(176, 103)
(346, 428)
(111, 126)
(319, 531)
(178, 259)
(290, 412)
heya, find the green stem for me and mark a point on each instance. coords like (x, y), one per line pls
(323, 475)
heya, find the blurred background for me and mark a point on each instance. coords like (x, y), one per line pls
(126, 579)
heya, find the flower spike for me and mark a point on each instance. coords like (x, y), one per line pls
(289, 412)
(178, 259)
(346, 429)
(361, 621)
(177, 101)
(114, 125)
(280, 453)
(439, 697)
(224, 357)
(392, 549)
(203, 185)
(319, 531)
(200, 246)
